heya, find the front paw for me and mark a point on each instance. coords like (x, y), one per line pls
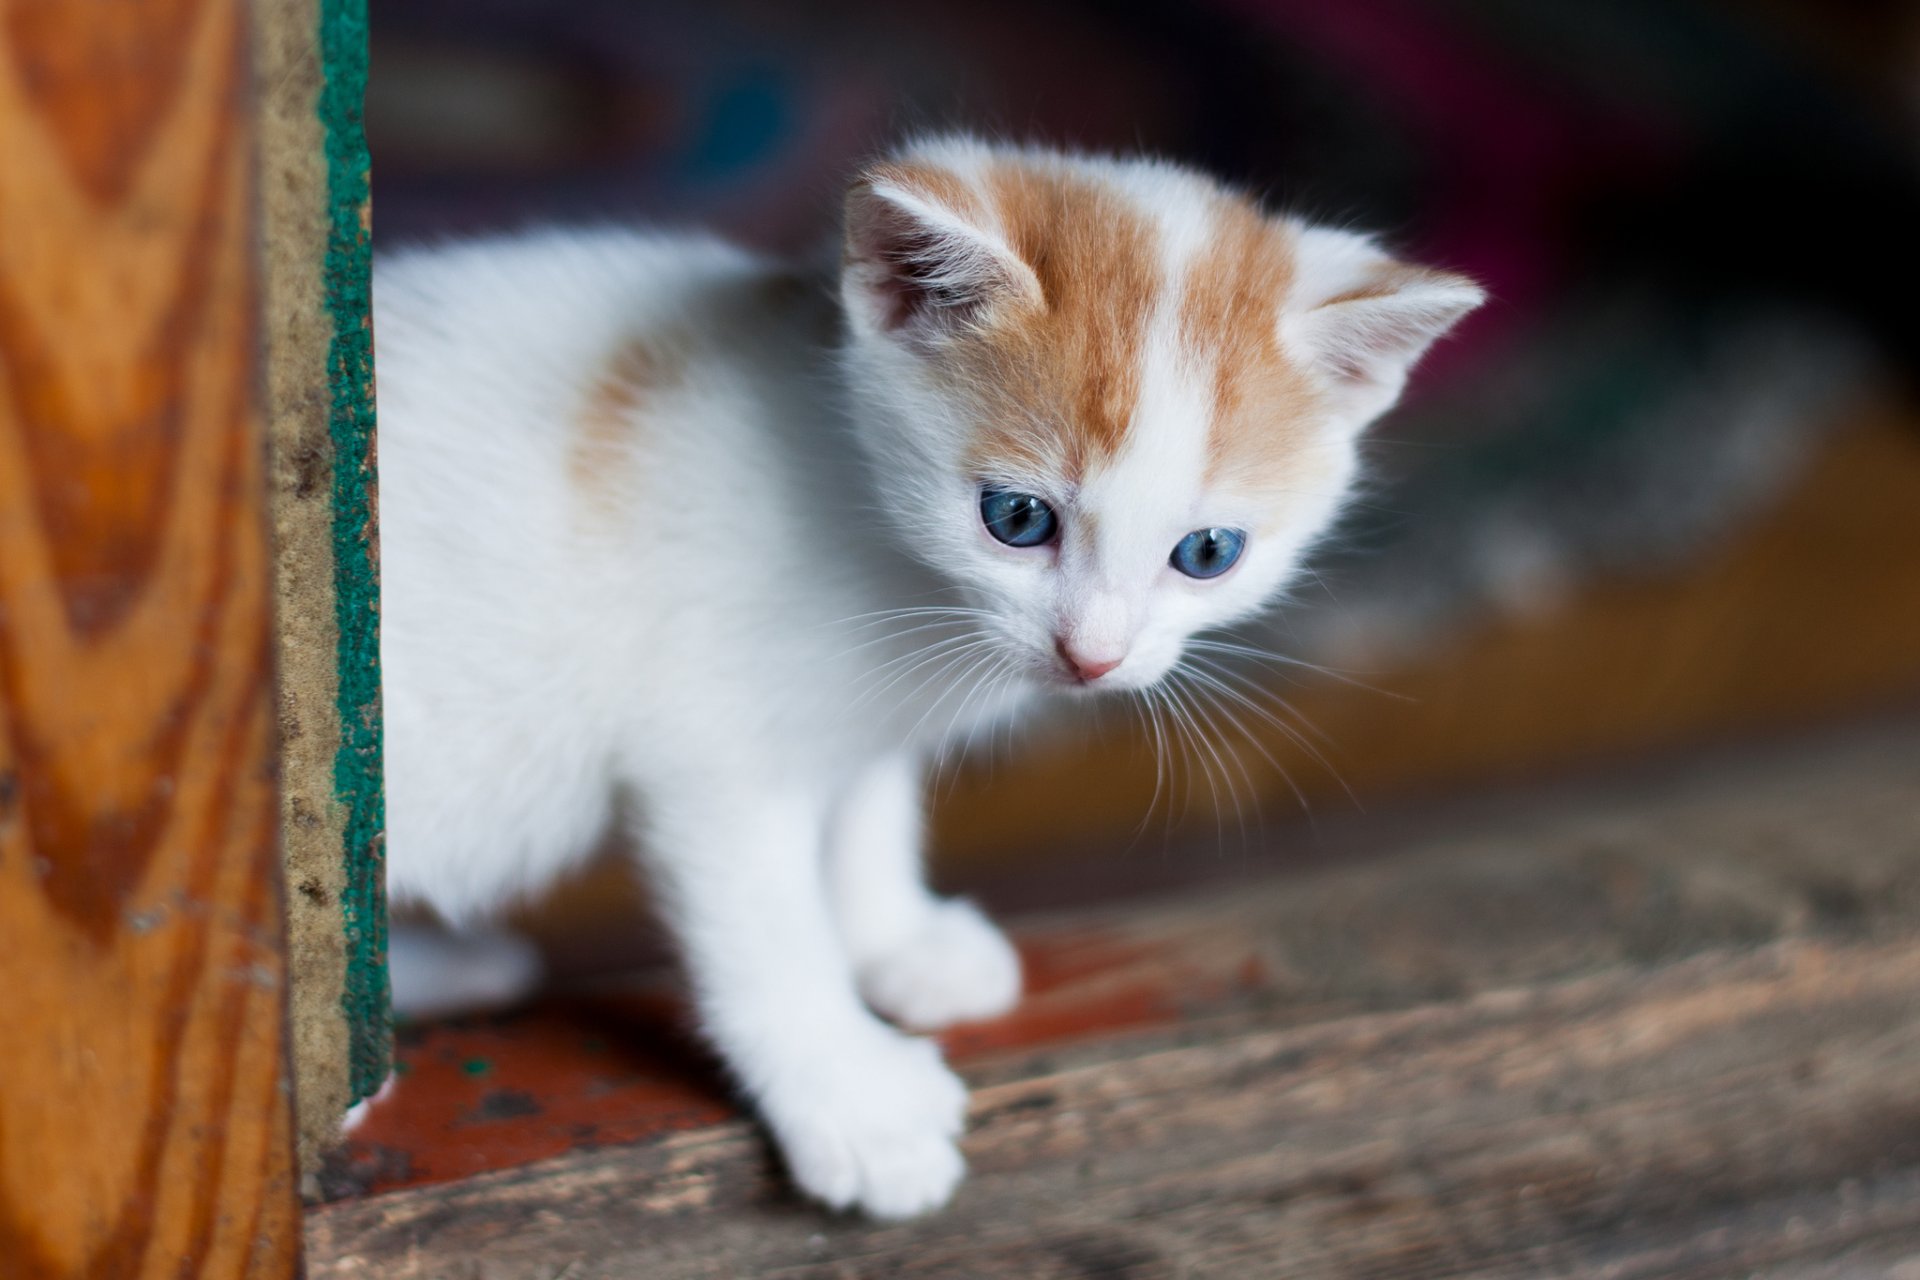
(955, 968)
(871, 1123)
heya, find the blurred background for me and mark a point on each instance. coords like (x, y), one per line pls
(1664, 492)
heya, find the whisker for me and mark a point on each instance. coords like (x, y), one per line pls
(970, 679)
(920, 648)
(880, 616)
(1213, 689)
(947, 692)
(1226, 712)
(1246, 690)
(945, 671)
(951, 648)
(896, 635)
(1269, 657)
(1197, 743)
(994, 677)
(1240, 689)
(1142, 704)
(924, 653)
(1216, 747)
(1002, 681)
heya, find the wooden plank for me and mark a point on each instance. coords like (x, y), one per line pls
(311, 60)
(1810, 838)
(144, 1119)
(1665, 1025)
(1730, 1114)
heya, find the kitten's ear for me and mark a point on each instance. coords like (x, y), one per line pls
(1363, 318)
(917, 265)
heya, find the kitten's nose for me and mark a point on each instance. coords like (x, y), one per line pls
(1085, 667)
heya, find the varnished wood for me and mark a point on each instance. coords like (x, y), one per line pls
(144, 1112)
(1664, 1027)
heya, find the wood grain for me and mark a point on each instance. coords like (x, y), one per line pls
(144, 1118)
(1664, 1027)
(1521, 1133)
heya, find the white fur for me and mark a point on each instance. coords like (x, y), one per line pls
(439, 972)
(1370, 345)
(728, 656)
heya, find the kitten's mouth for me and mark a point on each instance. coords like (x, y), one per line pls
(1055, 676)
(1063, 676)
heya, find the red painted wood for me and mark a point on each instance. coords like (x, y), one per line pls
(482, 1094)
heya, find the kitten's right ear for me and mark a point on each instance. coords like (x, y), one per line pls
(1362, 318)
(917, 266)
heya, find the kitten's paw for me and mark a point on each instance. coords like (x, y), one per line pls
(874, 1129)
(957, 968)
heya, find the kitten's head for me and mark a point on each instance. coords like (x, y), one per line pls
(1112, 401)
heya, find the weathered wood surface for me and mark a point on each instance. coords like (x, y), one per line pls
(1667, 1028)
(310, 57)
(1731, 1114)
(144, 1121)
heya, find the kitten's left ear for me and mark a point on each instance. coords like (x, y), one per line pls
(1362, 318)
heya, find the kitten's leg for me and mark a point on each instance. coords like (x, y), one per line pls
(438, 972)
(922, 960)
(865, 1115)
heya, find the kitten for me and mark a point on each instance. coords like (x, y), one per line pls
(672, 537)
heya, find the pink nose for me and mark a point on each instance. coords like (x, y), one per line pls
(1084, 667)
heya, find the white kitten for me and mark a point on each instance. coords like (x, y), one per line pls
(665, 521)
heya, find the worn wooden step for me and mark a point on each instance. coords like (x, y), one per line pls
(1669, 1026)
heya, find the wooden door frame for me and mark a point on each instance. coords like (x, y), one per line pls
(185, 456)
(312, 69)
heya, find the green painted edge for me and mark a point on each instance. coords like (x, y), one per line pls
(357, 768)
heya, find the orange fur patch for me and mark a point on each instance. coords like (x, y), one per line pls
(1064, 376)
(1263, 403)
(1062, 380)
(601, 455)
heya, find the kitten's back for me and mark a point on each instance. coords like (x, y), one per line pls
(567, 419)
(486, 351)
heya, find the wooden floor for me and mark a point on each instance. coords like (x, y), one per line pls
(1665, 1025)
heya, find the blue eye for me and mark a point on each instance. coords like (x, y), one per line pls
(1017, 519)
(1208, 553)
